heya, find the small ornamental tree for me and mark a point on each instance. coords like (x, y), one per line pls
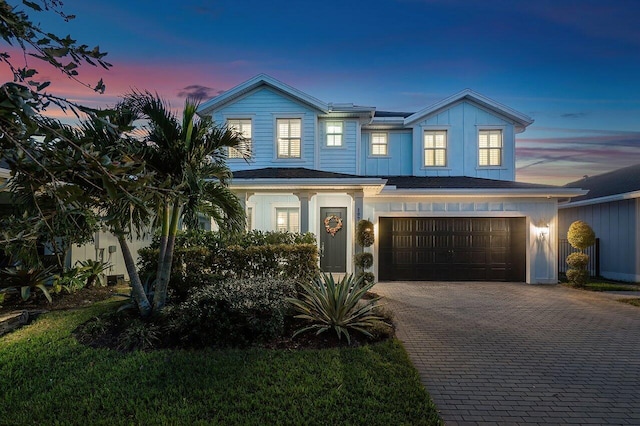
(365, 238)
(580, 236)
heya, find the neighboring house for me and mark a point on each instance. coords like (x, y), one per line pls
(612, 209)
(438, 185)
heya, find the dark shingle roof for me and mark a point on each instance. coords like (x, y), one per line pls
(392, 114)
(459, 182)
(290, 173)
(618, 181)
(400, 182)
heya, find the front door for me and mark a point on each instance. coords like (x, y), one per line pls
(333, 239)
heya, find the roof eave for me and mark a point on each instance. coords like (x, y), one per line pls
(600, 200)
(392, 191)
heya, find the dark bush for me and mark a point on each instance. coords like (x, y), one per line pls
(363, 260)
(235, 312)
(578, 277)
(578, 260)
(364, 233)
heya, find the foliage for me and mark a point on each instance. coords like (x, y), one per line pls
(93, 270)
(580, 235)
(363, 260)
(71, 280)
(26, 280)
(278, 260)
(373, 384)
(599, 286)
(328, 305)
(367, 277)
(578, 277)
(139, 335)
(364, 233)
(631, 301)
(233, 312)
(578, 260)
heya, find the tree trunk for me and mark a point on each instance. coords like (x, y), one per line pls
(162, 285)
(137, 290)
(164, 237)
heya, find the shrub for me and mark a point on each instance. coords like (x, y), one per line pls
(26, 280)
(367, 277)
(234, 312)
(364, 233)
(71, 280)
(580, 235)
(93, 271)
(578, 260)
(328, 305)
(578, 277)
(139, 335)
(363, 260)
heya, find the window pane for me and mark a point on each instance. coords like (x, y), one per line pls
(484, 140)
(295, 128)
(283, 148)
(495, 157)
(440, 157)
(295, 148)
(483, 158)
(429, 158)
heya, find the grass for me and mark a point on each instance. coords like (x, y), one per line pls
(47, 377)
(631, 301)
(605, 286)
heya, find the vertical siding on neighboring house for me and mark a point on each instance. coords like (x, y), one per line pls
(462, 122)
(263, 106)
(616, 224)
(338, 159)
(397, 163)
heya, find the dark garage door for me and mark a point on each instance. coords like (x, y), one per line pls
(452, 249)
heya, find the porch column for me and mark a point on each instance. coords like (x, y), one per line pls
(358, 200)
(243, 197)
(304, 197)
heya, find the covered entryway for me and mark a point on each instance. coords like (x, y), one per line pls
(452, 249)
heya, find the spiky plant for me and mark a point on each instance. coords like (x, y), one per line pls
(26, 280)
(330, 305)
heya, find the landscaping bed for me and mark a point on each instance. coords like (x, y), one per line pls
(47, 376)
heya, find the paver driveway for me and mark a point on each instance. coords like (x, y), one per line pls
(501, 353)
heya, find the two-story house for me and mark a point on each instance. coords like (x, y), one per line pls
(438, 184)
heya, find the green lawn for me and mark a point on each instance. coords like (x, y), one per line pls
(607, 286)
(46, 377)
(631, 301)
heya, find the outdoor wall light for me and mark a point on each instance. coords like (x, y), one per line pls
(543, 232)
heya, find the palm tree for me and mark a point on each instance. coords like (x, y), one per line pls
(188, 157)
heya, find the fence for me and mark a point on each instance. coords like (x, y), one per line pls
(565, 249)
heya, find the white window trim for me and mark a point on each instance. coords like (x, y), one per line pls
(371, 154)
(446, 147)
(327, 134)
(288, 208)
(241, 117)
(277, 117)
(479, 129)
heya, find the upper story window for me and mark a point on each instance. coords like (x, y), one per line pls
(490, 147)
(243, 127)
(435, 148)
(289, 136)
(334, 133)
(379, 144)
(288, 219)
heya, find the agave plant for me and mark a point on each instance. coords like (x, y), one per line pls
(327, 305)
(26, 280)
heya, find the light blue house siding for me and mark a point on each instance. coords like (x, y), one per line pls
(342, 159)
(617, 224)
(463, 121)
(263, 106)
(397, 163)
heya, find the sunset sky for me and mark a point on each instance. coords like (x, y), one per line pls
(572, 65)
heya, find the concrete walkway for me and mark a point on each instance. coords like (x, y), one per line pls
(507, 353)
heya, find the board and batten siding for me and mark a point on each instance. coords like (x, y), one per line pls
(462, 121)
(339, 159)
(263, 106)
(617, 224)
(398, 160)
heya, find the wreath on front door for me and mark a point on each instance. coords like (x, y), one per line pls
(333, 229)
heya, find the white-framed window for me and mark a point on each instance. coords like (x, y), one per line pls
(249, 218)
(243, 127)
(288, 219)
(334, 133)
(379, 144)
(490, 147)
(435, 148)
(289, 137)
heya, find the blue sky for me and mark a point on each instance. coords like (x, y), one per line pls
(572, 65)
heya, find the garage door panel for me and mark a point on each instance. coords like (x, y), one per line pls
(461, 249)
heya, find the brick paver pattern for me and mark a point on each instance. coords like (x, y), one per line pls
(511, 353)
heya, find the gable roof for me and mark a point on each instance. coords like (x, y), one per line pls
(254, 83)
(520, 120)
(618, 184)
